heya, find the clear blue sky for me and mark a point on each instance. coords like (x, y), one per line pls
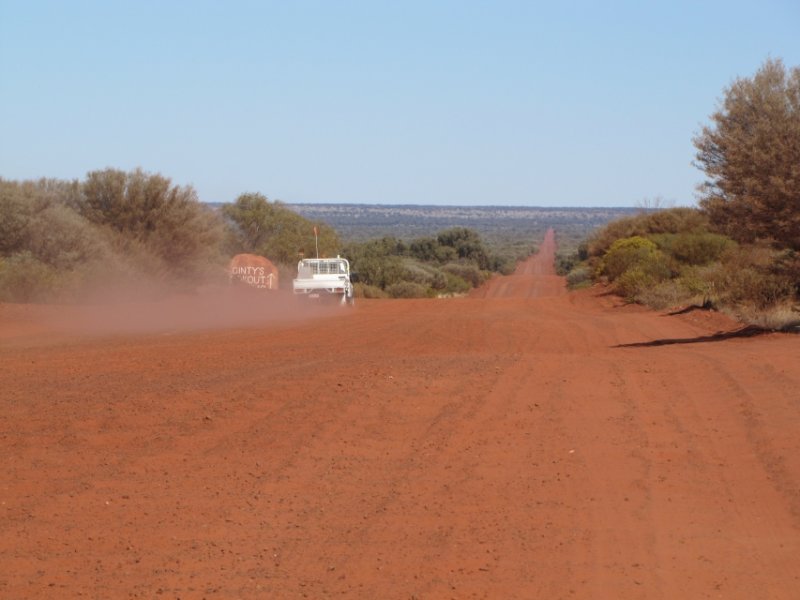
(401, 102)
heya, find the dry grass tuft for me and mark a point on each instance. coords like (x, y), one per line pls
(781, 317)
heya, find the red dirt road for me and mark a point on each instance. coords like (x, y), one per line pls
(508, 445)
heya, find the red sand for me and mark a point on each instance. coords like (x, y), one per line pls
(500, 446)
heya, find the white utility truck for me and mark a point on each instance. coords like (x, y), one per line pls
(324, 278)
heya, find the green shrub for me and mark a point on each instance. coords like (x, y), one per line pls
(24, 278)
(566, 262)
(750, 286)
(674, 220)
(695, 282)
(693, 248)
(634, 252)
(746, 276)
(579, 277)
(504, 265)
(61, 238)
(780, 317)
(456, 285)
(632, 282)
(666, 258)
(378, 262)
(787, 264)
(15, 211)
(466, 271)
(450, 263)
(169, 220)
(633, 265)
(467, 245)
(423, 274)
(407, 289)
(362, 290)
(429, 249)
(379, 271)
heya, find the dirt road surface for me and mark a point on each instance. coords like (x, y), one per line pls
(520, 443)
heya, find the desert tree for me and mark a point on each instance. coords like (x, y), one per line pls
(147, 210)
(750, 154)
(273, 230)
(46, 247)
(467, 244)
(14, 215)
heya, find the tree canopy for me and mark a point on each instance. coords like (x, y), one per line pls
(751, 156)
(272, 230)
(64, 239)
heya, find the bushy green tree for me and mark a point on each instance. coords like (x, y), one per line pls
(48, 247)
(669, 221)
(168, 220)
(634, 252)
(15, 212)
(59, 239)
(30, 203)
(24, 278)
(467, 245)
(429, 249)
(275, 231)
(378, 262)
(751, 156)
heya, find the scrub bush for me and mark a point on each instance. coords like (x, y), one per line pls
(745, 276)
(456, 285)
(407, 289)
(467, 272)
(674, 220)
(692, 248)
(634, 252)
(24, 278)
(580, 276)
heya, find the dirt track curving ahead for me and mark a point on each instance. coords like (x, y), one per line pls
(521, 443)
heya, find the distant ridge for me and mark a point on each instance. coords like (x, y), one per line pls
(365, 221)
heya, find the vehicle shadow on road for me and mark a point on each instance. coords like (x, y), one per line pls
(744, 332)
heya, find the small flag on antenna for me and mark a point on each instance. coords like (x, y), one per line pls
(315, 230)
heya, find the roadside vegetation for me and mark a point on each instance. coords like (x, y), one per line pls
(449, 263)
(138, 235)
(133, 233)
(740, 250)
(66, 240)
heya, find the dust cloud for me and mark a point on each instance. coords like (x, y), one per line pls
(144, 311)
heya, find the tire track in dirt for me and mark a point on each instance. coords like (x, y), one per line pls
(765, 439)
